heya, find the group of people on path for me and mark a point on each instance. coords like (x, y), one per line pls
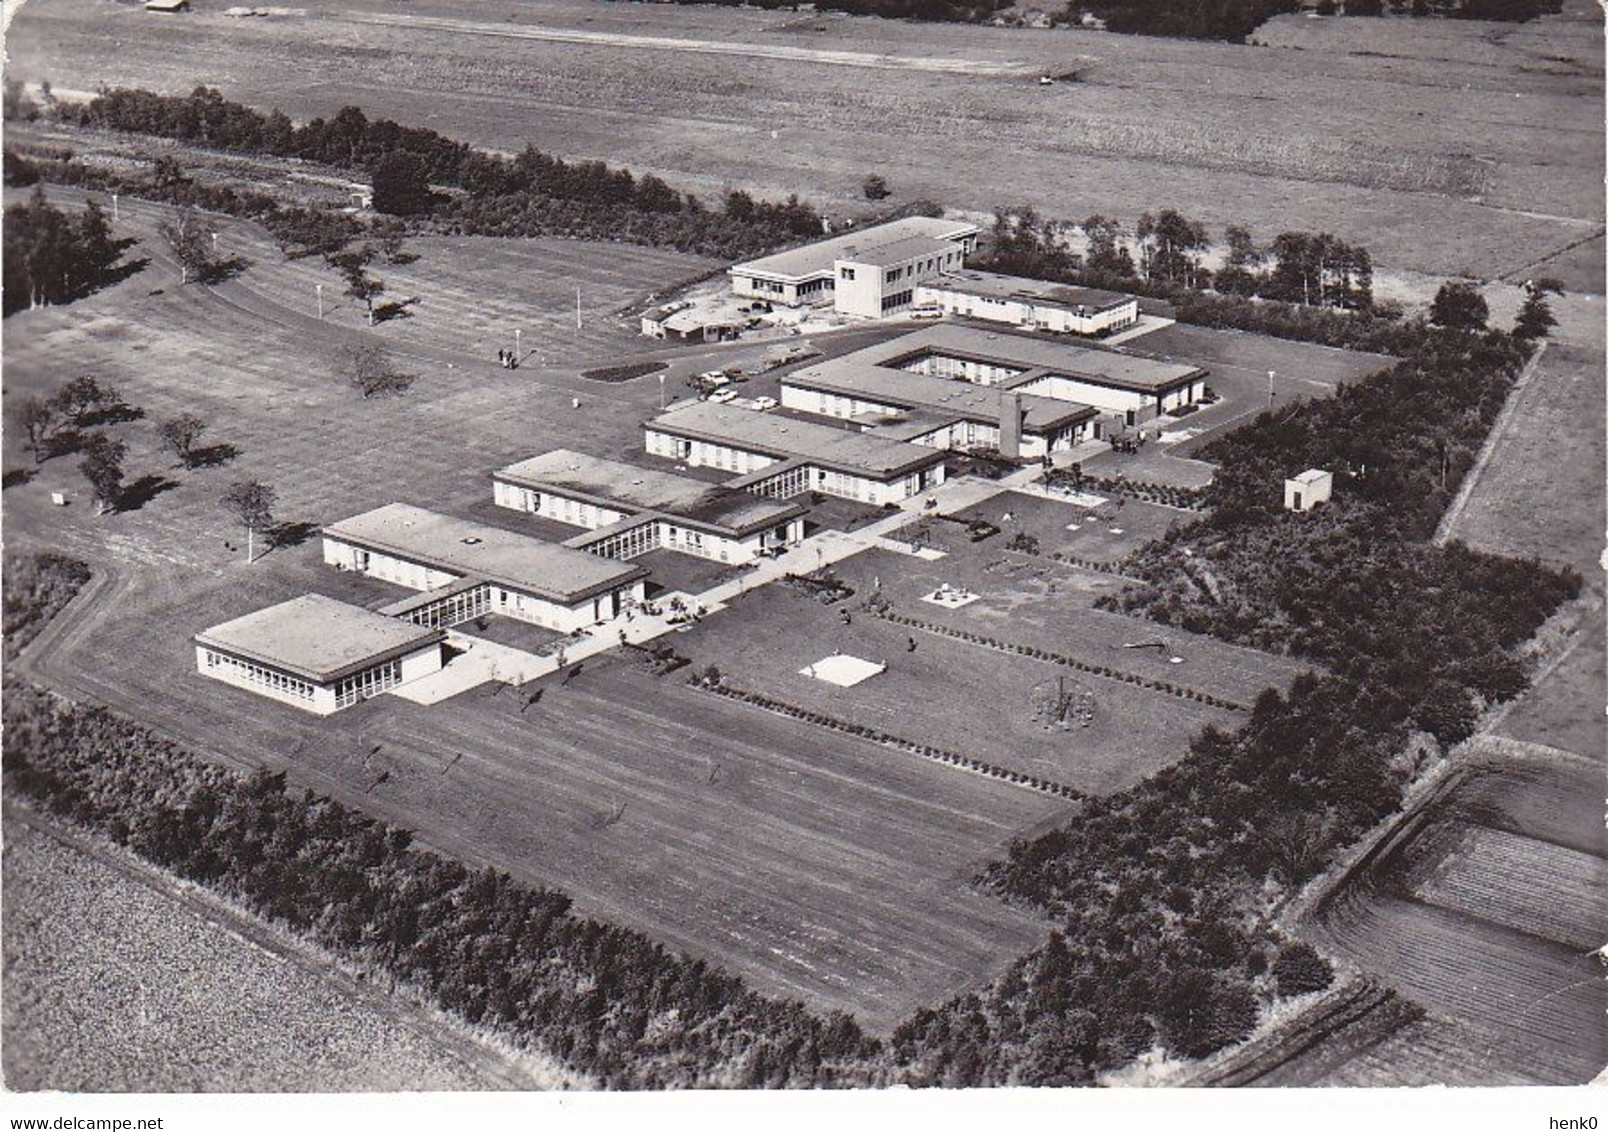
(507, 359)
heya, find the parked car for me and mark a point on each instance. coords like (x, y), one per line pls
(764, 403)
(723, 396)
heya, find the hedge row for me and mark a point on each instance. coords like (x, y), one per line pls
(882, 738)
(1069, 662)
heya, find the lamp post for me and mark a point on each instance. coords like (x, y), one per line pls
(661, 392)
(114, 206)
(1270, 393)
(319, 287)
(517, 354)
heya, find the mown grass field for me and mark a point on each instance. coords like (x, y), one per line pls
(1541, 492)
(948, 693)
(1229, 133)
(118, 979)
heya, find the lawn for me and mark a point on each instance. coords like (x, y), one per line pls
(1106, 534)
(117, 979)
(813, 865)
(1204, 127)
(947, 693)
(1035, 602)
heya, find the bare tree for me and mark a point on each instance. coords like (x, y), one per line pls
(370, 370)
(251, 503)
(180, 434)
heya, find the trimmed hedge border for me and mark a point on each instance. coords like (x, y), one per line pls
(998, 645)
(882, 738)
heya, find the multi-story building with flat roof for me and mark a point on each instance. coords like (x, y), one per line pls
(862, 271)
(1028, 303)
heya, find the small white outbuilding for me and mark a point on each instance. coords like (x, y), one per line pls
(1307, 490)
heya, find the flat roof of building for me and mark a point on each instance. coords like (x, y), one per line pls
(1040, 356)
(468, 548)
(898, 251)
(860, 374)
(613, 483)
(317, 637)
(993, 286)
(782, 437)
(798, 264)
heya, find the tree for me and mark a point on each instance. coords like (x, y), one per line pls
(38, 418)
(1106, 255)
(180, 434)
(1198, 1012)
(875, 187)
(102, 466)
(252, 504)
(1170, 246)
(1300, 970)
(401, 185)
(1459, 306)
(1535, 317)
(83, 397)
(353, 266)
(369, 368)
(387, 235)
(189, 235)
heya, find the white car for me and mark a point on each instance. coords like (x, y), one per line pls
(763, 403)
(723, 396)
(714, 377)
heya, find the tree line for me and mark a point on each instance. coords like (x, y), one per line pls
(532, 193)
(1311, 287)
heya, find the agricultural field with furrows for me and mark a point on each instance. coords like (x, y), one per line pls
(119, 979)
(776, 104)
(1486, 915)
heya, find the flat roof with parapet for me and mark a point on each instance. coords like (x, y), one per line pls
(1037, 357)
(861, 374)
(898, 251)
(471, 549)
(782, 437)
(993, 286)
(317, 637)
(799, 264)
(613, 483)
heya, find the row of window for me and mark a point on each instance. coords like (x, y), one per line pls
(454, 610)
(370, 682)
(256, 674)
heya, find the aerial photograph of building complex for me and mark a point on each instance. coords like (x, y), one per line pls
(587, 545)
